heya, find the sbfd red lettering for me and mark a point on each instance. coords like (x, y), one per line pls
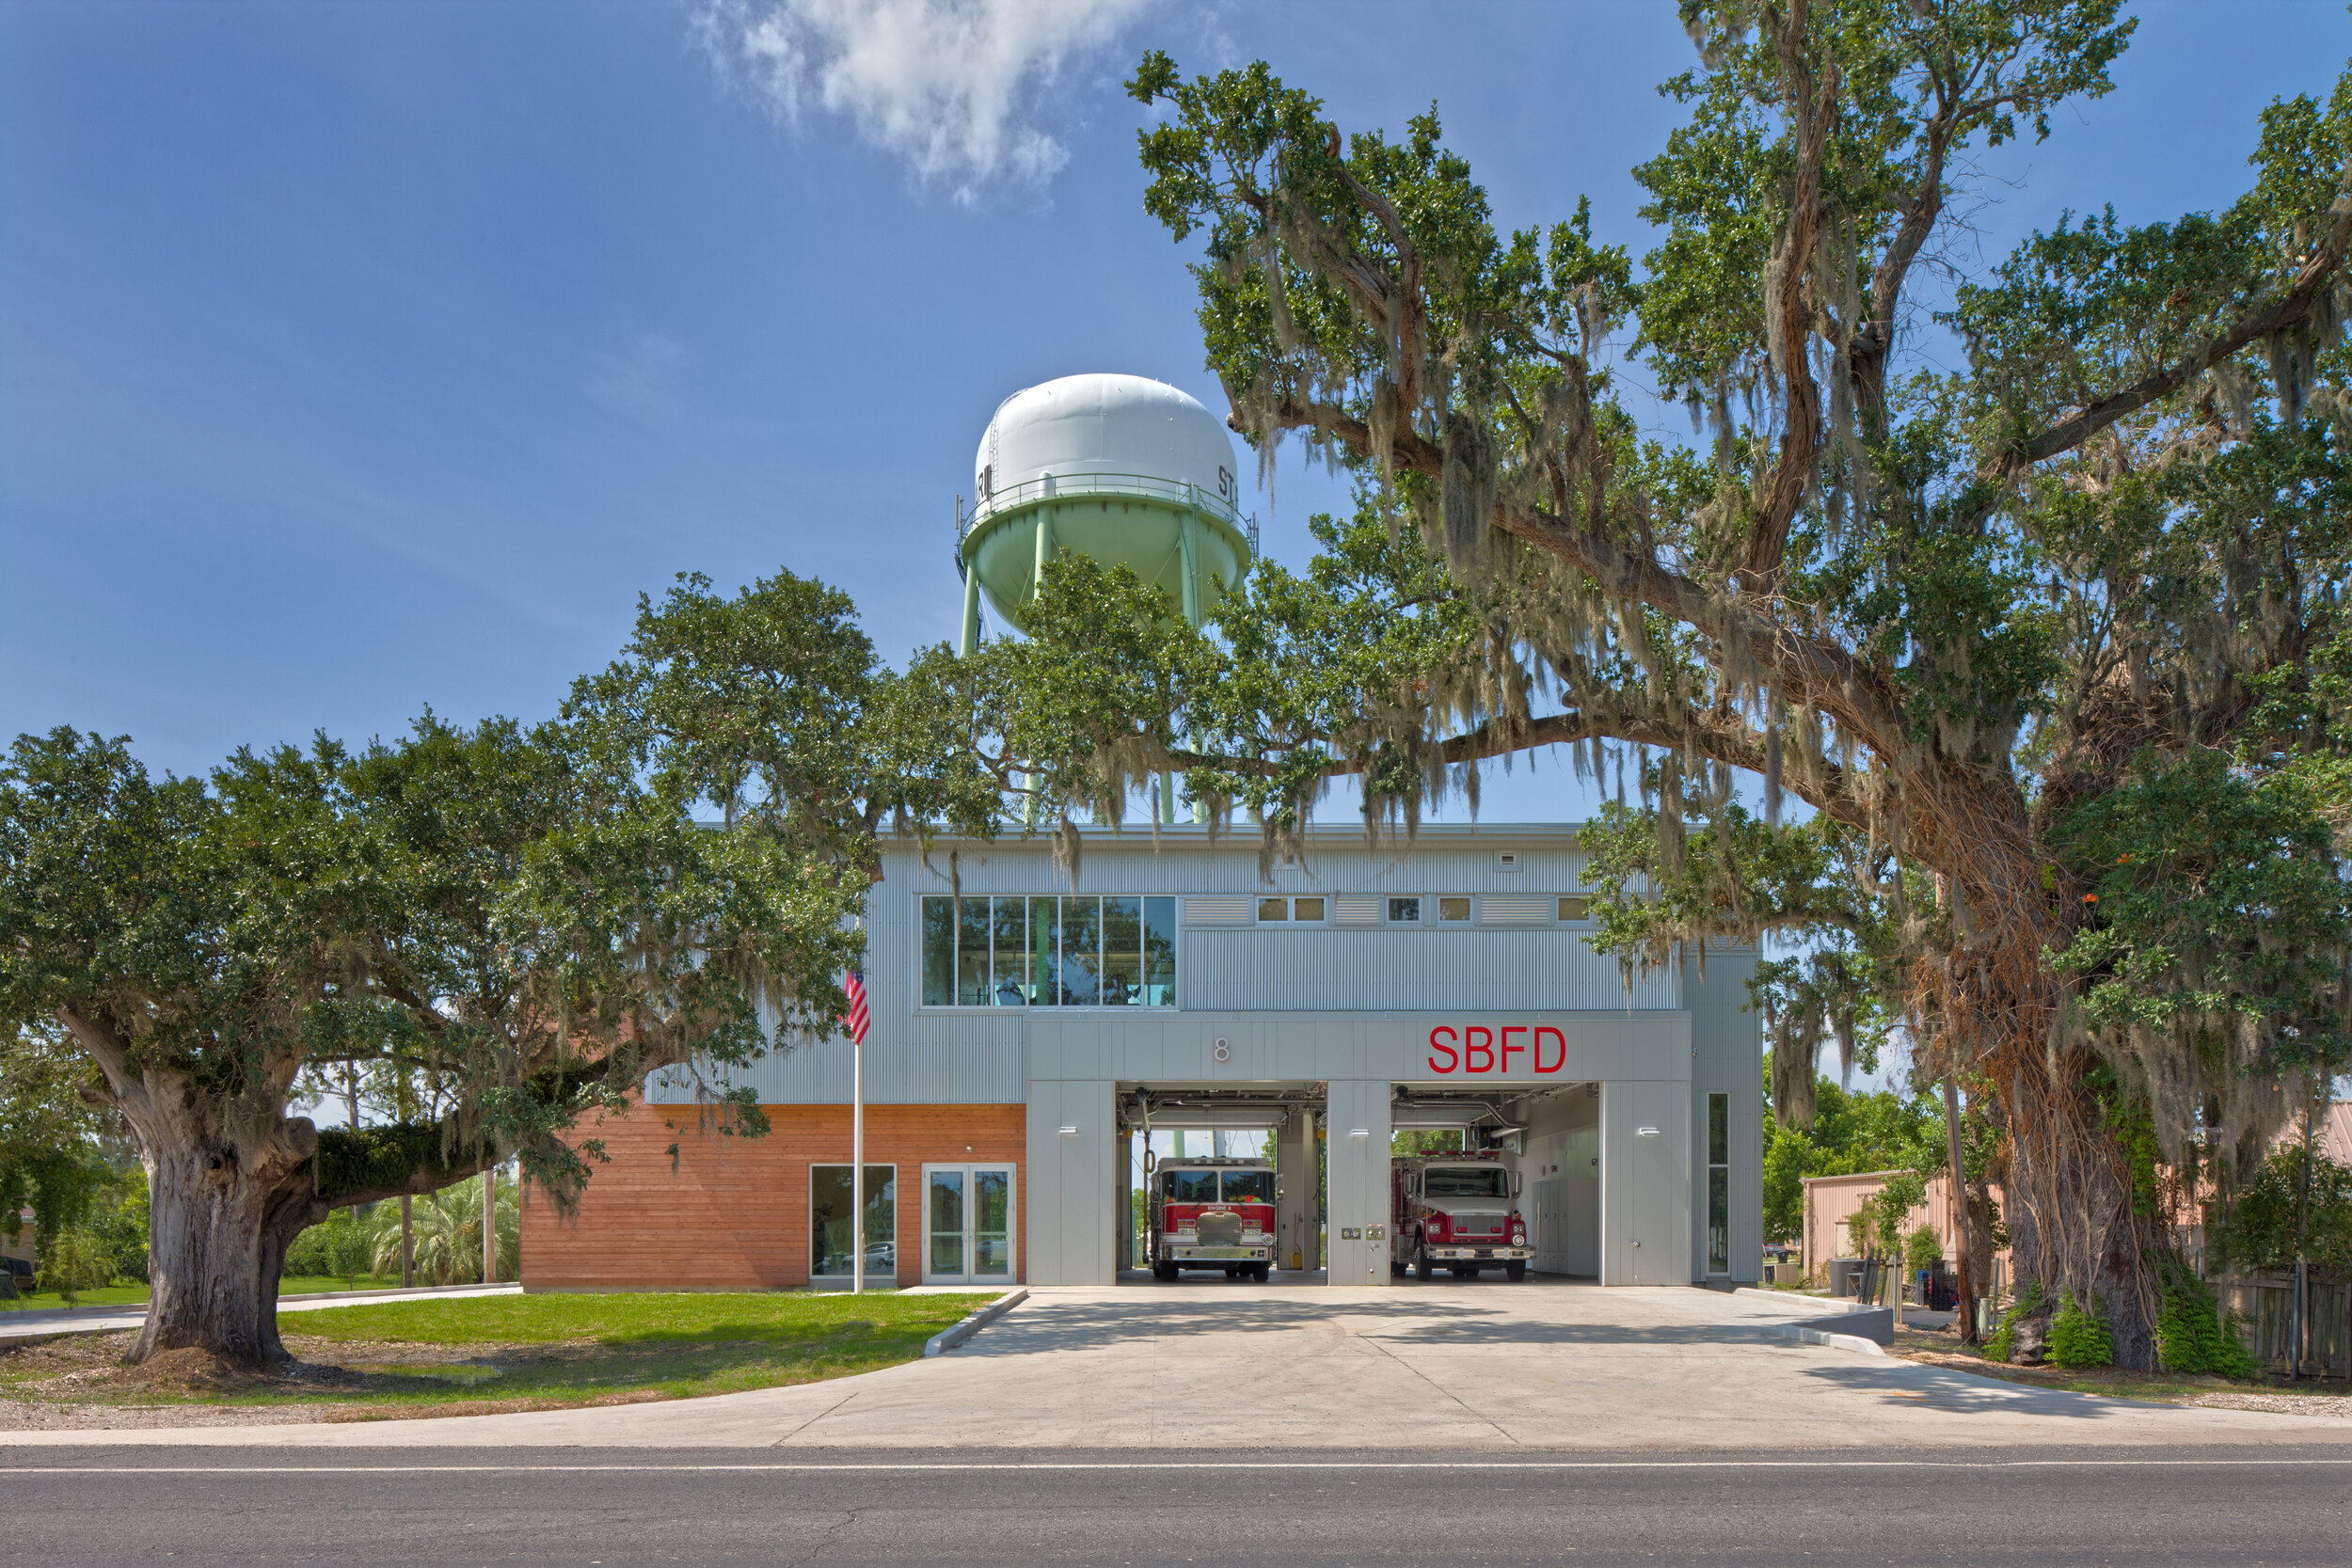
(1477, 1050)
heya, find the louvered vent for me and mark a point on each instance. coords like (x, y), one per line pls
(1499, 909)
(1356, 908)
(1217, 911)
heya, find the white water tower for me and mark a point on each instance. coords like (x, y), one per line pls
(1124, 470)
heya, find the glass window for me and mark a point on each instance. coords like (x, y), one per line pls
(1122, 951)
(972, 953)
(1452, 909)
(939, 952)
(1013, 951)
(1047, 952)
(1574, 908)
(1274, 909)
(1309, 909)
(1718, 1183)
(1465, 1181)
(1082, 952)
(1044, 976)
(1405, 911)
(1159, 951)
(831, 1238)
(1248, 1186)
(1192, 1186)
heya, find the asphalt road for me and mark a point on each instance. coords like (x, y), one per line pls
(2150, 1507)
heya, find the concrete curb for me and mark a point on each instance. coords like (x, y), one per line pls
(1813, 1334)
(1822, 1336)
(949, 1338)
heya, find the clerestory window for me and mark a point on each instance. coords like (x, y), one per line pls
(1116, 951)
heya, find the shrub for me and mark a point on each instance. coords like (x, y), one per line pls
(2078, 1338)
(2258, 1230)
(2004, 1339)
(2191, 1336)
(341, 1245)
(1922, 1248)
(1862, 1227)
(75, 1262)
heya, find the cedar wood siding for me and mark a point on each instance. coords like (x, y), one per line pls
(734, 1215)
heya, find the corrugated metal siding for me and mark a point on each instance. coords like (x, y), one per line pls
(1355, 910)
(947, 1060)
(1185, 863)
(1273, 969)
(1512, 909)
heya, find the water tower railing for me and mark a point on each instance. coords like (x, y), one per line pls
(1072, 486)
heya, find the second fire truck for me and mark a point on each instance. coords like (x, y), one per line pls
(1457, 1211)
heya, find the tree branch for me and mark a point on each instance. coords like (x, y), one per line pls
(1818, 674)
(2262, 320)
(1814, 110)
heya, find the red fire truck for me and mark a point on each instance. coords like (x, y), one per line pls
(1212, 1213)
(1457, 1211)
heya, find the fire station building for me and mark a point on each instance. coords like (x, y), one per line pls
(1029, 1024)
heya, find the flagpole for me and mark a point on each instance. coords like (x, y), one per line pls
(857, 1159)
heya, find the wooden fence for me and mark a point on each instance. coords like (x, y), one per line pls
(2266, 1301)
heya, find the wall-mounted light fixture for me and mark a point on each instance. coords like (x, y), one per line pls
(1359, 1133)
(1645, 1131)
(1069, 1132)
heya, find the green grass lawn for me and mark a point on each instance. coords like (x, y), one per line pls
(135, 1296)
(771, 1318)
(489, 1354)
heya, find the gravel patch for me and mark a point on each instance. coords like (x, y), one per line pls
(2279, 1404)
(33, 1416)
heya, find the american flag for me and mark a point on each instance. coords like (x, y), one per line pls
(858, 1019)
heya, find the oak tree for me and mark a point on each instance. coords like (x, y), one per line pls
(2025, 636)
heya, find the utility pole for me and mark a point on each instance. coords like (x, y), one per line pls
(1967, 1302)
(489, 1224)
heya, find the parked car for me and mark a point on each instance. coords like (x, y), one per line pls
(19, 1273)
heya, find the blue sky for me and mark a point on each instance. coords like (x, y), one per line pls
(360, 357)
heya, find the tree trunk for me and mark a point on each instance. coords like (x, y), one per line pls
(225, 1200)
(2073, 1223)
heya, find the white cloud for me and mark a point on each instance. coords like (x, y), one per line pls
(948, 86)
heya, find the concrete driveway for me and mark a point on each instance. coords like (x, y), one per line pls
(1438, 1368)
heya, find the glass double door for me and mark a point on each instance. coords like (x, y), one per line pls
(967, 1224)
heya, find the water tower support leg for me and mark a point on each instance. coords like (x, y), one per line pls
(1167, 798)
(971, 610)
(1045, 549)
(1192, 618)
(1192, 589)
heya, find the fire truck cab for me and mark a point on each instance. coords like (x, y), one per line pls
(1457, 1211)
(1212, 1213)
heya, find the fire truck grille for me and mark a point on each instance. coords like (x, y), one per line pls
(1477, 1226)
(1219, 1230)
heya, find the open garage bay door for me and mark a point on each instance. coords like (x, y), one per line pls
(1550, 1135)
(1290, 1117)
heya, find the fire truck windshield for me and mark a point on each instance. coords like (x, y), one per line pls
(1464, 1181)
(1250, 1186)
(1192, 1186)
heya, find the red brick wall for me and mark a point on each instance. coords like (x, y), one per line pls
(733, 1213)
